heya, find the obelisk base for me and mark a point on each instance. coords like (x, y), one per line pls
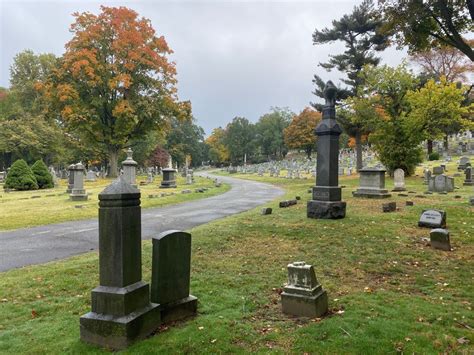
(326, 209)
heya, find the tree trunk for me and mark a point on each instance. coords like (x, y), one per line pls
(113, 162)
(446, 143)
(430, 146)
(358, 141)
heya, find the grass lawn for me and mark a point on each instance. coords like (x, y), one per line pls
(19, 209)
(388, 291)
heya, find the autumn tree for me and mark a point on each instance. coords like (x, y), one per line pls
(115, 82)
(269, 132)
(300, 133)
(445, 61)
(361, 35)
(422, 25)
(436, 108)
(218, 152)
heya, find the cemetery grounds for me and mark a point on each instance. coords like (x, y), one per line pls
(389, 292)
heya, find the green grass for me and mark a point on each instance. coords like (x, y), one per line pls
(18, 209)
(388, 291)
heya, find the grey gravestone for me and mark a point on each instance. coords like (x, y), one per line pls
(468, 181)
(471, 201)
(399, 180)
(129, 167)
(121, 308)
(389, 207)
(449, 184)
(170, 280)
(326, 200)
(70, 182)
(437, 170)
(372, 184)
(427, 176)
(78, 193)
(439, 239)
(90, 176)
(303, 295)
(463, 162)
(432, 219)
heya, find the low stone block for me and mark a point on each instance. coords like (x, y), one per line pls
(266, 211)
(403, 195)
(439, 239)
(326, 209)
(389, 207)
(471, 201)
(303, 296)
(432, 219)
(186, 191)
(287, 203)
(409, 203)
(298, 198)
(35, 196)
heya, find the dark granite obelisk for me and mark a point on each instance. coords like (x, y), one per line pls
(121, 307)
(326, 202)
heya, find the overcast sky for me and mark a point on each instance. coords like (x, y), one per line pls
(234, 58)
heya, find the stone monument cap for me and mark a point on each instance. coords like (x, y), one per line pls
(119, 190)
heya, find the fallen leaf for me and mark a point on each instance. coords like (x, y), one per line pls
(200, 328)
(33, 314)
(213, 341)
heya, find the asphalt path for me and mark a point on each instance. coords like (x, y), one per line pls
(37, 245)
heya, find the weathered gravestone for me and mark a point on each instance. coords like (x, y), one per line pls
(389, 207)
(129, 167)
(303, 295)
(438, 170)
(432, 219)
(266, 211)
(78, 193)
(439, 239)
(468, 181)
(287, 203)
(372, 184)
(170, 280)
(121, 307)
(91, 176)
(463, 161)
(70, 182)
(427, 176)
(326, 200)
(399, 180)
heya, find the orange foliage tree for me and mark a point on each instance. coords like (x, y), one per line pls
(300, 133)
(115, 82)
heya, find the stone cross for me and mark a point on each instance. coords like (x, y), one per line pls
(170, 280)
(326, 202)
(121, 307)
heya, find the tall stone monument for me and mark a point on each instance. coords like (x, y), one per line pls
(78, 193)
(129, 167)
(70, 180)
(326, 202)
(169, 176)
(121, 307)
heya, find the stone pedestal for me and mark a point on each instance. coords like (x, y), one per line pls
(121, 308)
(170, 280)
(326, 202)
(129, 167)
(303, 296)
(169, 178)
(372, 184)
(78, 193)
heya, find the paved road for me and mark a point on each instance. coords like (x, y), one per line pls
(41, 244)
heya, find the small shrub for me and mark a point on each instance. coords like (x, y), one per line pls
(42, 175)
(433, 156)
(20, 177)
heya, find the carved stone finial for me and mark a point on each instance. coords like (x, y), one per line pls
(329, 92)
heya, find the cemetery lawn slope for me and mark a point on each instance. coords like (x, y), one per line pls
(21, 209)
(389, 292)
